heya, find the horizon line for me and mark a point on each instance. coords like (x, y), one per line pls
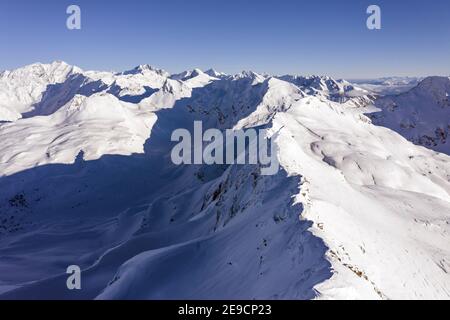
(220, 71)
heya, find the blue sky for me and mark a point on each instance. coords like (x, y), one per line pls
(283, 36)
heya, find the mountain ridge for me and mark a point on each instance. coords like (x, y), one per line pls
(356, 211)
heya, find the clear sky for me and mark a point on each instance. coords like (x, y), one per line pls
(274, 36)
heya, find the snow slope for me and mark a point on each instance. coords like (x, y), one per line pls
(356, 210)
(383, 210)
(96, 125)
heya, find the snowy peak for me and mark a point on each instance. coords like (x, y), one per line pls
(193, 78)
(437, 88)
(20, 89)
(325, 86)
(213, 73)
(421, 115)
(254, 77)
(189, 74)
(51, 73)
(146, 68)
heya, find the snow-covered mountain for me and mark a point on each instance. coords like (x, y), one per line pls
(327, 87)
(356, 210)
(422, 114)
(22, 88)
